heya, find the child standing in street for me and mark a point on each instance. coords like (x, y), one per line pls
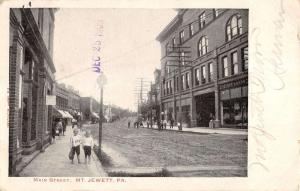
(88, 144)
(75, 142)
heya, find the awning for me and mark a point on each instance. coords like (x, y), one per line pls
(68, 115)
(95, 115)
(60, 113)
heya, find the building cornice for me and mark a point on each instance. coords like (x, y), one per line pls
(170, 27)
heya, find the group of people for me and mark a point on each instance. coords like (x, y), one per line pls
(161, 126)
(76, 141)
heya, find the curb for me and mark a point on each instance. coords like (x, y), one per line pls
(175, 171)
(98, 163)
(193, 132)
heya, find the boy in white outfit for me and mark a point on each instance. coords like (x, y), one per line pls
(75, 142)
(88, 144)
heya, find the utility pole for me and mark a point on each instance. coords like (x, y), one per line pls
(141, 91)
(181, 60)
(101, 82)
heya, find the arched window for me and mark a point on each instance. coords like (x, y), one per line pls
(202, 46)
(234, 27)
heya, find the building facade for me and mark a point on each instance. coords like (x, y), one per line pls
(31, 79)
(153, 99)
(205, 67)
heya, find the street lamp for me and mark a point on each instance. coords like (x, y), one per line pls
(101, 82)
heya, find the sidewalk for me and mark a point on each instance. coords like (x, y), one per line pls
(224, 131)
(54, 162)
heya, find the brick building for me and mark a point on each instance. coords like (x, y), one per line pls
(31, 78)
(204, 61)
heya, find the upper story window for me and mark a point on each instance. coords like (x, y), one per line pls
(202, 20)
(182, 58)
(225, 66)
(197, 77)
(234, 64)
(216, 12)
(187, 80)
(192, 30)
(234, 27)
(181, 35)
(168, 68)
(171, 86)
(182, 82)
(202, 46)
(203, 75)
(210, 72)
(245, 59)
(167, 48)
(173, 42)
(177, 83)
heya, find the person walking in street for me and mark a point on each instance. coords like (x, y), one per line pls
(128, 123)
(88, 144)
(75, 142)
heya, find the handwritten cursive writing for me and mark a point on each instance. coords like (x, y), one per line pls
(267, 74)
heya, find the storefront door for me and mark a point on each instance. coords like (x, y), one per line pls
(205, 109)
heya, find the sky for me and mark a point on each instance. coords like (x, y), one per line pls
(128, 50)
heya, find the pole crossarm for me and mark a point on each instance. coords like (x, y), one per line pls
(187, 66)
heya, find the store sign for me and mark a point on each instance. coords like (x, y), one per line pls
(50, 100)
(238, 83)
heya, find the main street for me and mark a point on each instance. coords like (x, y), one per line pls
(142, 147)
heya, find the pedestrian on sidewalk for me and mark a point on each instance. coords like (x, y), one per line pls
(128, 123)
(74, 122)
(165, 124)
(75, 142)
(171, 123)
(64, 124)
(59, 127)
(88, 144)
(54, 132)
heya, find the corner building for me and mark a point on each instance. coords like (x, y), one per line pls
(31, 79)
(204, 67)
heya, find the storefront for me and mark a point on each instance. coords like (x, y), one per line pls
(234, 104)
